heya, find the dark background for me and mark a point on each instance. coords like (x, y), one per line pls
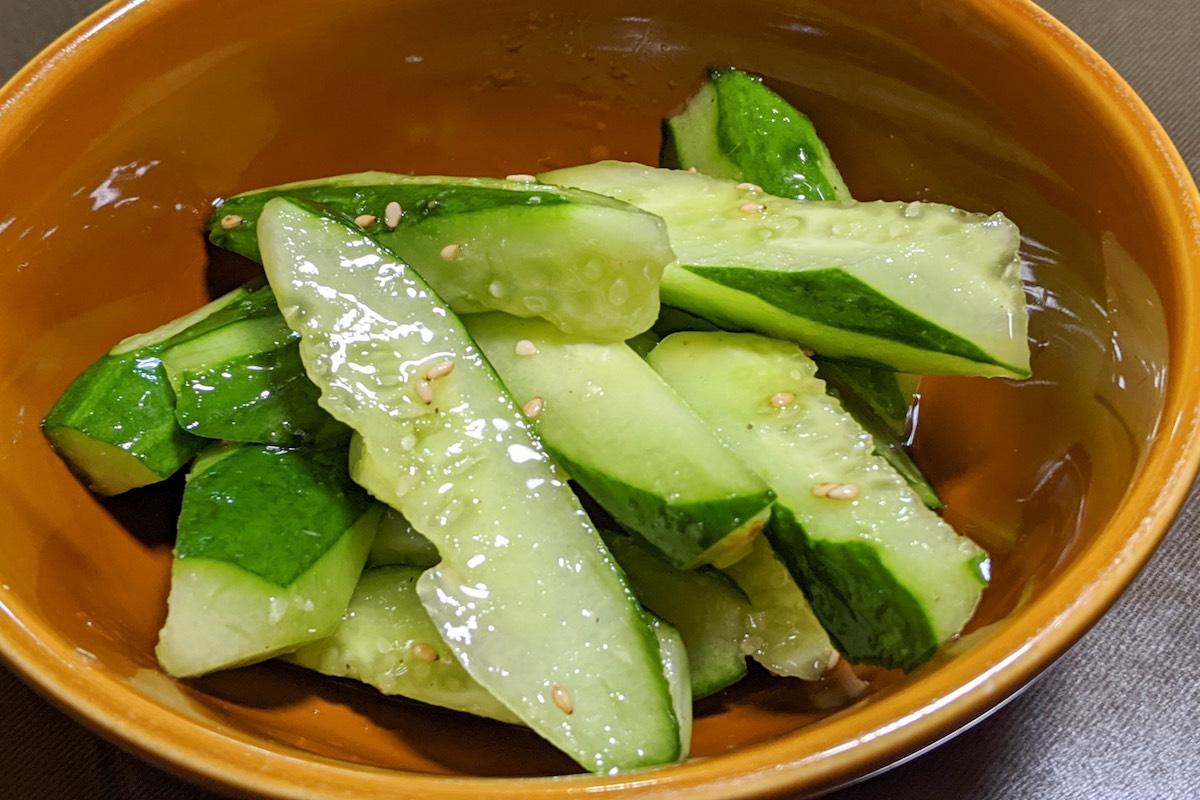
(1118, 717)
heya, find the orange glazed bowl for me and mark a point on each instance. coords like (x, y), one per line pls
(115, 143)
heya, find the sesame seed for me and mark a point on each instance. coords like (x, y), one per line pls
(392, 214)
(363, 220)
(843, 491)
(521, 176)
(424, 652)
(834, 658)
(524, 347)
(534, 407)
(782, 399)
(822, 489)
(753, 208)
(451, 251)
(692, 169)
(425, 391)
(231, 221)
(749, 187)
(808, 351)
(439, 370)
(562, 700)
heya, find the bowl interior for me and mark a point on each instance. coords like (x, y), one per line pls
(113, 158)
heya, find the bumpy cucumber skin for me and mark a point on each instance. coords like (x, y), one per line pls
(825, 274)
(386, 640)
(629, 441)
(737, 128)
(525, 594)
(587, 263)
(924, 581)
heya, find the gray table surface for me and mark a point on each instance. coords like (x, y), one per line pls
(1118, 717)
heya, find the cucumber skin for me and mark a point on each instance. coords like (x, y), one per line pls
(411, 449)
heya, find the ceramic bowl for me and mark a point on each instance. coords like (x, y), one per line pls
(116, 141)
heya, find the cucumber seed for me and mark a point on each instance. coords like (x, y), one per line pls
(782, 399)
(524, 347)
(425, 391)
(439, 370)
(450, 252)
(534, 407)
(753, 208)
(521, 176)
(424, 652)
(749, 187)
(392, 214)
(363, 220)
(562, 700)
(231, 221)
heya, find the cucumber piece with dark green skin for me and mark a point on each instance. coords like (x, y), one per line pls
(271, 543)
(386, 640)
(707, 609)
(737, 128)
(115, 424)
(525, 594)
(588, 264)
(244, 381)
(916, 287)
(888, 579)
(628, 440)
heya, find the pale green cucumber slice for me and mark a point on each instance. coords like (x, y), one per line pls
(115, 423)
(588, 264)
(737, 128)
(781, 632)
(625, 437)
(398, 543)
(526, 594)
(386, 640)
(707, 610)
(677, 668)
(271, 543)
(888, 579)
(918, 287)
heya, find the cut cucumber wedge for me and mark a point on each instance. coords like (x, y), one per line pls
(397, 543)
(917, 287)
(586, 263)
(736, 128)
(386, 640)
(526, 595)
(270, 546)
(625, 437)
(888, 579)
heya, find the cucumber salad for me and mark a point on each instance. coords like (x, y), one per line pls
(567, 450)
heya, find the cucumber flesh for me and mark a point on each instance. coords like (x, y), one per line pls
(398, 543)
(736, 128)
(628, 440)
(708, 610)
(916, 287)
(386, 640)
(270, 546)
(588, 264)
(526, 594)
(677, 668)
(888, 579)
(781, 632)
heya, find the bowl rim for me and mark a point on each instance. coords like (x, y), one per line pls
(845, 747)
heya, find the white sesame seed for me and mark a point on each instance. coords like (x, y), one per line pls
(524, 347)
(363, 220)
(424, 652)
(451, 251)
(692, 169)
(562, 700)
(749, 187)
(521, 176)
(843, 491)
(439, 370)
(231, 221)
(822, 489)
(782, 399)
(425, 391)
(392, 214)
(834, 658)
(753, 208)
(534, 407)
